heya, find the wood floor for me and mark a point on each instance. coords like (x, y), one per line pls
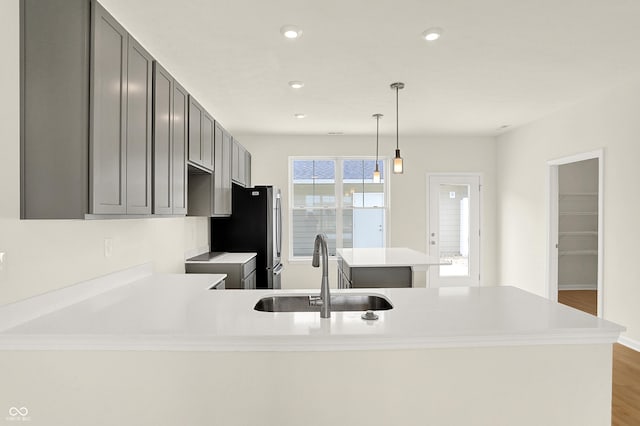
(625, 410)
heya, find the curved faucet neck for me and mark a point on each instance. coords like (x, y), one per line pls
(320, 245)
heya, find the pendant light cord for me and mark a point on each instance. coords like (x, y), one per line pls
(397, 121)
(377, 136)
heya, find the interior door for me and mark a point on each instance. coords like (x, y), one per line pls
(453, 229)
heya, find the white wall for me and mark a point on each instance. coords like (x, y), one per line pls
(46, 255)
(408, 191)
(609, 121)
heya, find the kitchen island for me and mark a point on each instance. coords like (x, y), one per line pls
(165, 350)
(380, 267)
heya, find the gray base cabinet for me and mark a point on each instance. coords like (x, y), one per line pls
(239, 275)
(373, 277)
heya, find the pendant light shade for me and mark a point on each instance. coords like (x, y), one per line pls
(398, 166)
(397, 163)
(376, 173)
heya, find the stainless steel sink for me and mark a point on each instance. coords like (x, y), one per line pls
(339, 302)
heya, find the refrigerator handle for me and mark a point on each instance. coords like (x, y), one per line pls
(278, 225)
(278, 270)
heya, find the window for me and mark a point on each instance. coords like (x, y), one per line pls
(336, 196)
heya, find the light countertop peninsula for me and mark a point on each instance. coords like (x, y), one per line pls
(178, 312)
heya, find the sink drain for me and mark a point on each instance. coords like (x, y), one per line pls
(369, 316)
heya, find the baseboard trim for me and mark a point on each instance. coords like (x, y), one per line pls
(630, 343)
(577, 287)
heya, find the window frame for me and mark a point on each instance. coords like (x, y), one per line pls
(339, 207)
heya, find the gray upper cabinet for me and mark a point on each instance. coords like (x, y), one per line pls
(120, 138)
(208, 124)
(86, 134)
(235, 163)
(222, 175)
(108, 142)
(247, 168)
(169, 144)
(180, 138)
(195, 131)
(139, 134)
(241, 165)
(200, 136)
(54, 119)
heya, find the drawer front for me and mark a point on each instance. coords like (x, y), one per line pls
(249, 282)
(248, 267)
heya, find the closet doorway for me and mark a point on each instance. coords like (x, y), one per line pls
(575, 231)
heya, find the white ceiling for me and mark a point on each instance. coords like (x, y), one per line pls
(499, 62)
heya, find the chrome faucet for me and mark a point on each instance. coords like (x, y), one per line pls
(324, 300)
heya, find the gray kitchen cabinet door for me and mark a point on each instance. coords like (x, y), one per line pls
(235, 161)
(54, 148)
(108, 144)
(222, 174)
(241, 165)
(207, 151)
(138, 137)
(195, 131)
(247, 169)
(241, 160)
(163, 94)
(179, 157)
(200, 136)
(249, 282)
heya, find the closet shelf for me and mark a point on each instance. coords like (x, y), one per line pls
(578, 213)
(578, 252)
(578, 233)
(579, 194)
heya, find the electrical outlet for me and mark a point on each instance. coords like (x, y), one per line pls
(108, 247)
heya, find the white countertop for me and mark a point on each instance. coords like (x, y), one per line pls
(179, 312)
(391, 256)
(239, 258)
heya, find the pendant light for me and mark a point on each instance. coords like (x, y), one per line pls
(397, 160)
(376, 173)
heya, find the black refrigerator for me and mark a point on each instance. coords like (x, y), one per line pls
(255, 225)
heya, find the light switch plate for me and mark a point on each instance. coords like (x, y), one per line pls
(2, 254)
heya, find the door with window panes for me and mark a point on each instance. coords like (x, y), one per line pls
(454, 229)
(336, 196)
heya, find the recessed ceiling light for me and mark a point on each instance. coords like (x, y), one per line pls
(299, 115)
(296, 84)
(291, 31)
(335, 133)
(432, 34)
